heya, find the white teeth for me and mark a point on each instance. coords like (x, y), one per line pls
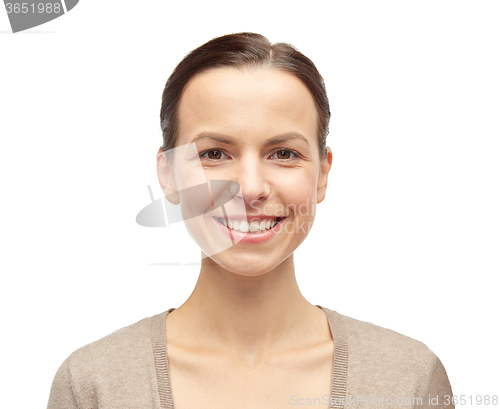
(253, 226)
(244, 226)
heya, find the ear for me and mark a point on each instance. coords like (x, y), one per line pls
(325, 166)
(166, 178)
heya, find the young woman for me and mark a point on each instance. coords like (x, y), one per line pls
(244, 154)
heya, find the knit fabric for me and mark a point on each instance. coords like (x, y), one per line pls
(372, 367)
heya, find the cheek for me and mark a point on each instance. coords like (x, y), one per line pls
(299, 194)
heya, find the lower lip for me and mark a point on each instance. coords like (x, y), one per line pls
(250, 238)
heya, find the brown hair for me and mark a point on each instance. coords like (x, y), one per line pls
(240, 50)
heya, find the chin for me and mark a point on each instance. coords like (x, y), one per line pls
(250, 265)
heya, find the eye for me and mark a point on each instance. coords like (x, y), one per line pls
(214, 154)
(284, 154)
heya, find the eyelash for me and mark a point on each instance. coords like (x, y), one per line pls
(275, 152)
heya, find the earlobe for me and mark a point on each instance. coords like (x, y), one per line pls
(326, 164)
(166, 179)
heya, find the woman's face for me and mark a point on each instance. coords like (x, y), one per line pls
(256, 127)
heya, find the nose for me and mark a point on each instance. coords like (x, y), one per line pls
(253, 180)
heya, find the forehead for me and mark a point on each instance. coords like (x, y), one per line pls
(248, 102)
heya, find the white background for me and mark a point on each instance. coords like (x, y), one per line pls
(407, 238)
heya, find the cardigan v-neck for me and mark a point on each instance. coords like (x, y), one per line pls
(371, 365)
(339, 366)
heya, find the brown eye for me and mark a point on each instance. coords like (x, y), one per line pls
(283, 154)
(214, 154)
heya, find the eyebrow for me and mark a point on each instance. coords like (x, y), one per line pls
(228, 140)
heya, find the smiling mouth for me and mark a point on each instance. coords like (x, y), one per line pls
(254, 227)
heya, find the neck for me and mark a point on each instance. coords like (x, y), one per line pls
(250, 317)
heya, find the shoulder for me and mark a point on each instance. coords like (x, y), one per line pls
(366, 336)
(116, 356)
(127, 341)
(381, 363)
(381, 355)
(115, 368)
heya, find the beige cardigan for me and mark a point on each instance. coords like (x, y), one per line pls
(372, 367)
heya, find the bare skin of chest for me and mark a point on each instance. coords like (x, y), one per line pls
(217, 382)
